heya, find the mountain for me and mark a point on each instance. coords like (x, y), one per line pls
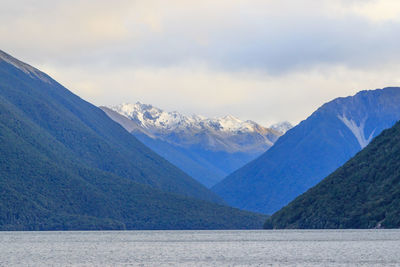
(311, 150)
(281, 127)
(227, 133)
(64, 164)
(207, 149)
(363, 193)
(89, 133)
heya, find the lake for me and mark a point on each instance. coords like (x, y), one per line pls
(202, 248)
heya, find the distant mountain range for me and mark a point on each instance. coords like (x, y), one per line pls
(208, 149)
(64, 164)
(363, 193)
(310, 151)
(281, 127)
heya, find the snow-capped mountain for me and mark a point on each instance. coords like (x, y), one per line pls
(281, 127)
(206, 148)
(226, 133)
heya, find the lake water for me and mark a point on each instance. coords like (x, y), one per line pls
(202, 248)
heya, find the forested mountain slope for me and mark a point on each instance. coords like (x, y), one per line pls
(65, 165)
(87, 132)
(363, 193)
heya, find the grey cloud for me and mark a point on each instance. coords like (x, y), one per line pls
(254, 58)
(278, 40)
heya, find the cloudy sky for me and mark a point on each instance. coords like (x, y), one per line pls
(265, 60)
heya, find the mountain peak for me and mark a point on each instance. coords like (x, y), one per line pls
(310, 151)
(282, 127)
(208, 149)
(153, 117)
(213, 133)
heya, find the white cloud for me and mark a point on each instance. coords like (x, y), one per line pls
(377, 10)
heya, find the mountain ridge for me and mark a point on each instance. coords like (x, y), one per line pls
(310, 151)
(363, 193)
(87, 137)
(207, 149)
(159, 123)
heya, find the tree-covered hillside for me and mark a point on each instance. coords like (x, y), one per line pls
(88, 133)
(363, 193)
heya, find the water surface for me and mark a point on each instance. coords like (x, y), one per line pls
(202, 248)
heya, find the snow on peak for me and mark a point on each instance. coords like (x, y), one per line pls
(230, 123)
(282, 127)
(29, 70)
(154, 118)
(226, 133)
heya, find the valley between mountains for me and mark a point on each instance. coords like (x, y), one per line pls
(208, 149)
(66, 164)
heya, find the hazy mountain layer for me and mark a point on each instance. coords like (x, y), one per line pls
(207, 149)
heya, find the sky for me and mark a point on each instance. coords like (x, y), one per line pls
(263, 60)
